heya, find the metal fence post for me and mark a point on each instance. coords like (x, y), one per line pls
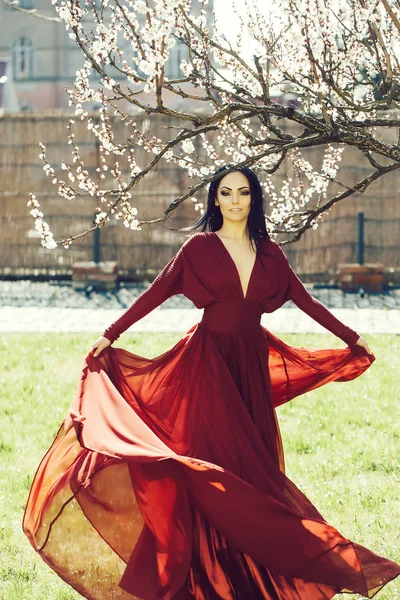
(96, 242)
(361, 221)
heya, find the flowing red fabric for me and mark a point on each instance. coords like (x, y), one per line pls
(167, 481)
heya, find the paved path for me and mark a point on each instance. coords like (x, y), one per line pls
(29, 306)
(95, 320)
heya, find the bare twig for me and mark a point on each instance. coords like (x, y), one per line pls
(29, 11)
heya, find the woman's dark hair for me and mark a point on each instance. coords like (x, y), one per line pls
(212, 218)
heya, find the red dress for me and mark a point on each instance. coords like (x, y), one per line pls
(167, 479)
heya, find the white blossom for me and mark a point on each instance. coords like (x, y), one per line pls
(188, 146)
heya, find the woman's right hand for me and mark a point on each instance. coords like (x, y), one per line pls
(101, 343)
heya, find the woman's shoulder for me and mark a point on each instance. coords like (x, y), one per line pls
(195, 240)
(271, 247)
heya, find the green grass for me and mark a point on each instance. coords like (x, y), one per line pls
(342, 445)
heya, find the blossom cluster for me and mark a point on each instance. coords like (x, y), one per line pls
(47, 238)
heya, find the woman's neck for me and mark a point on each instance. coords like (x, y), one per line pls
(234, 231)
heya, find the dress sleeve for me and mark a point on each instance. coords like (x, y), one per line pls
(297, 292)
(167, 283)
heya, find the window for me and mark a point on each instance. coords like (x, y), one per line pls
(22, 55)
(28, 4)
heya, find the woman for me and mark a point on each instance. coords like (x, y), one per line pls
(167, 479)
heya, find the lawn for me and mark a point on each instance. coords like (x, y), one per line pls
(342, 445)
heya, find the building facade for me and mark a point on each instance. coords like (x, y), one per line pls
(38, 59)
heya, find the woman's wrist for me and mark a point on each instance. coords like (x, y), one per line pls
(108, 335)
(350, 337)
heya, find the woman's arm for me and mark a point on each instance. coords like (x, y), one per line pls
(167, 283)
(316, 310)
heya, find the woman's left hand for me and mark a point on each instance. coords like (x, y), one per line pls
(362, 342)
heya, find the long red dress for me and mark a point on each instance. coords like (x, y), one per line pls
(167, 480)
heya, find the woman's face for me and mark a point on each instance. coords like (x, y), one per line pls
(233, 197)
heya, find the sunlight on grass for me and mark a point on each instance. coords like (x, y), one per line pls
(342, 445)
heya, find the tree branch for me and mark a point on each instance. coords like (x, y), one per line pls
(27, 11)
(361, 186)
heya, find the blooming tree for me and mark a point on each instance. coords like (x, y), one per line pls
(299, 74)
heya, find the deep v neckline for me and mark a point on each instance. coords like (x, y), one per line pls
(244, 295)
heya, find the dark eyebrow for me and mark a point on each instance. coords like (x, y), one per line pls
(244, 187)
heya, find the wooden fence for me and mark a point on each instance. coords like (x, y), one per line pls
(315, 256)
